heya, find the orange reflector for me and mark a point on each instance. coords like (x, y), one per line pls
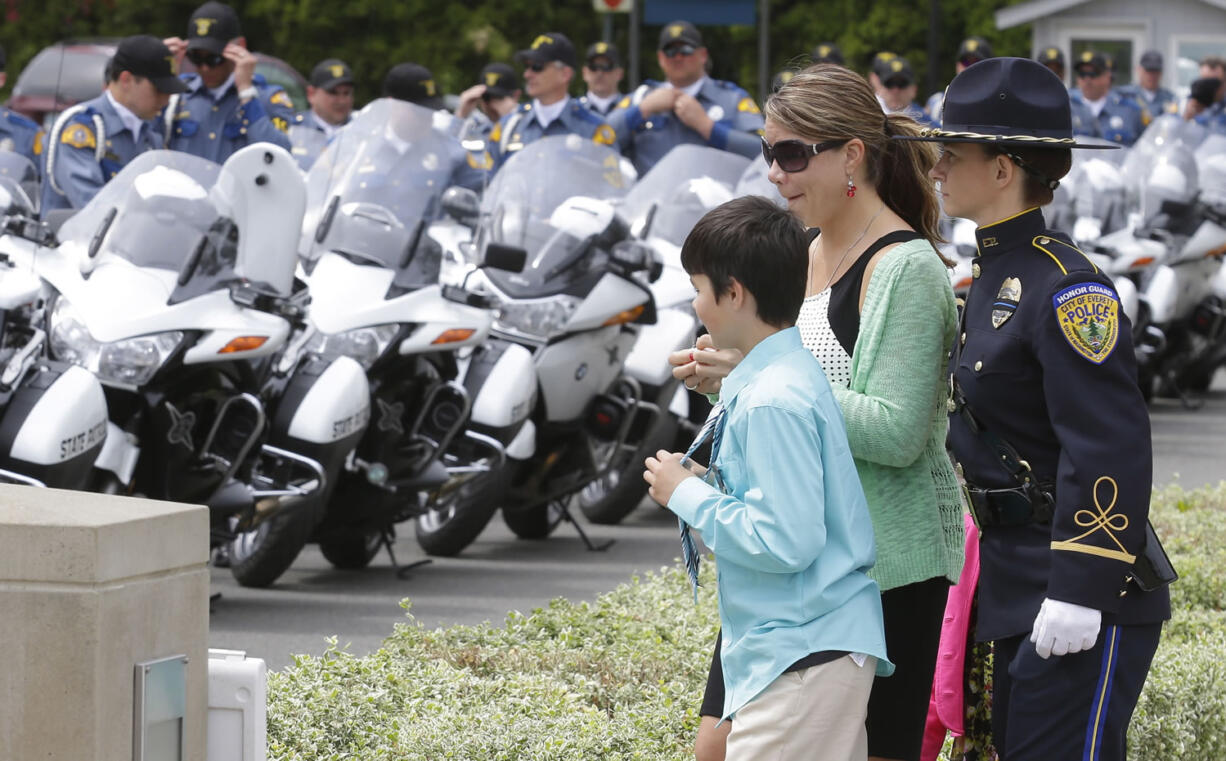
(243, 343)
(630, 315)
(453, 335)
(963, 283)
(1143, 261)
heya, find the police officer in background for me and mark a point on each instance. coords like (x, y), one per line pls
(483, 105)
(898, 88)
(1211, 87)
(1099, 112)
(17, 133)
(415, 84)
(972, 51)
(689, 107)
(1148, 90)
(1053, 58)
(227, 105)
(1050, 431)
(827, 52)
(330, 94)
(549, 68)
(91, 141)
(602, 70)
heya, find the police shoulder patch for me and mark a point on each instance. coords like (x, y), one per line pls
(1089, 318)
(78, 136)
(604, 135)
(747, 105)
(280, 98)
(624, 102)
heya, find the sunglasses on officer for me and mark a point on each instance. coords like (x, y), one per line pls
(672, 51)
(792, 155)
(201, 58)
(538, 66)
(602, 66)
(1090, 73)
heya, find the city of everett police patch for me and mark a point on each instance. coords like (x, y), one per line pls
(1089, 318)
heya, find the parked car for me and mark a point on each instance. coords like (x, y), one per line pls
(73, 71)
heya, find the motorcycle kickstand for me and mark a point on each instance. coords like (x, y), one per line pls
(563, 506)
(402, 571)
(1189, 402)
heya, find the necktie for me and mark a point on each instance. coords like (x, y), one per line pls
(714, 429)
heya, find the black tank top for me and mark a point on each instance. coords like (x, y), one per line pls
(844, 311)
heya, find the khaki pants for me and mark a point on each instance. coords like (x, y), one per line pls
(816, 715)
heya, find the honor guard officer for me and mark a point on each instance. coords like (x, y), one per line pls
(972, 51)
(415, 84)
(549, 68)
(602, 70)
(91, 141)
(689, 107)
(898, 89)
(17, 133)
(330, 94)
(1053, 58)
(227, 105)
(1111, 115)
(1148, 91)
(827, 52)
(484, 104)
(1050, 431)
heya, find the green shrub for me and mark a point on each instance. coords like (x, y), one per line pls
(621, 677)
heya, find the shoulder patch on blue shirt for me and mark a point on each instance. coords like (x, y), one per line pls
(1089, 318)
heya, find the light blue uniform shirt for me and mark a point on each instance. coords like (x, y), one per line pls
(215, 128)
(22, 136)
(792, 536)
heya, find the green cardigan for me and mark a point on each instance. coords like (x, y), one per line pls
(896, 417)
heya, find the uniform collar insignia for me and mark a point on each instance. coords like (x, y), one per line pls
(1019, 227)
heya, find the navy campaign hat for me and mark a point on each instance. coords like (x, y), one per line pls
(827, 52)
(211, 27)
(549, 47)
(1010, 102)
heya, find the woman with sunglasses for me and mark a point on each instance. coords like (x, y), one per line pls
(879, 315)
(1050, 430)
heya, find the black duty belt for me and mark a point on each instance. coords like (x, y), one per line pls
(1019, 506)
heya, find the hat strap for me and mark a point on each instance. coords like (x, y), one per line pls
(1048, 183)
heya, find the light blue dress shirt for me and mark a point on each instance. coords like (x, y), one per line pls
(792, 536)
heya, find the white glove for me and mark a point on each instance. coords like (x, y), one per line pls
(1062, 628)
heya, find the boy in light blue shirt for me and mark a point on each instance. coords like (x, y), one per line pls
(790, 528)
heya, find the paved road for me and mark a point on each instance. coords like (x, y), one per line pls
(499, 573)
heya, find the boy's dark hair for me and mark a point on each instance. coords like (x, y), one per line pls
(759, 244)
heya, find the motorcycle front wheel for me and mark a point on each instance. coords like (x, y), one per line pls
(610, 498)
(350, 550)
(533, 523)
(456, 519)
(259, 557)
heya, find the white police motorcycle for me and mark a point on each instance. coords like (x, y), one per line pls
(551, 385)
(175, 286)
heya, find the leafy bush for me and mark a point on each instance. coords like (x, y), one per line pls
(621, 677)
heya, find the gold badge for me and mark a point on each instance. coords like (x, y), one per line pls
(496, 133)
(485, 161)
(173, 64)
(675, 31)
(277, 122)
(1089, 318)
(604, 135)
(823, 51)
(491, 78)
(78, 136)
(429, 85)
(203, 25)
(543, 39)
(602, 48)
(1007, 299)
(972, 45)
(39, 139)
(748, 106)
(895, 65)
(624, 102)
(337, 70)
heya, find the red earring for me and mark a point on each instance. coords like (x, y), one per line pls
(851, 188)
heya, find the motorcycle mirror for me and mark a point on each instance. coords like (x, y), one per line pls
(507, 258)
(95, 243)
(461, 204)
(635, 257)
(410, 249)
(645, 230)
(193, 259)
(325, 222)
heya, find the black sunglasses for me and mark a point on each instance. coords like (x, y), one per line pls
(897, 84)
(601, 66)
(205, 58)
(676, 50)
(1088, 73)
(793, 155)
(538, 67)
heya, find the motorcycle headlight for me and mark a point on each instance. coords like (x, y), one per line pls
(541, 319)
(129, 363)
(363, 345)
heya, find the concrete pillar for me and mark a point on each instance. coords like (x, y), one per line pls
(91, 585)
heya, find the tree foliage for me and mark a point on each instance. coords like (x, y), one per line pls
(456, 39)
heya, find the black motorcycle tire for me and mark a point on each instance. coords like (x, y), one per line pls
(351, 550)
(445, 531)
(533, 523)
(259, 557)
(608, 500)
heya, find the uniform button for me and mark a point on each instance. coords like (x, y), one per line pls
(214, 108)
(212, 136)
(964, 339)
(975, 270)
(1044, 241)
(242, 131)
(978, 366)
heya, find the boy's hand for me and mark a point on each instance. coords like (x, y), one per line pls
(704, 368)
(664, 472)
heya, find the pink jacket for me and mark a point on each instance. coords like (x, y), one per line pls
(945, 708)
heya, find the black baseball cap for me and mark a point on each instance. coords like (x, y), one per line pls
(1204, 91)
(548, 47)
(500, 80)
(603, 50)
(1092, 59)
(974, 47)
(211, 27)
(895, 68)
(827, 52)
(146, 56)
(1151, 60)
(331, 72)
(680, 32)
(1051, 55)
(414, 83)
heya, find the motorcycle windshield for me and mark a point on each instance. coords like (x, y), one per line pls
(18, 184)
(1211, 170)
(380, 178)
(520, 204)
(158, 209)
(754, 182)
(683, 186)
